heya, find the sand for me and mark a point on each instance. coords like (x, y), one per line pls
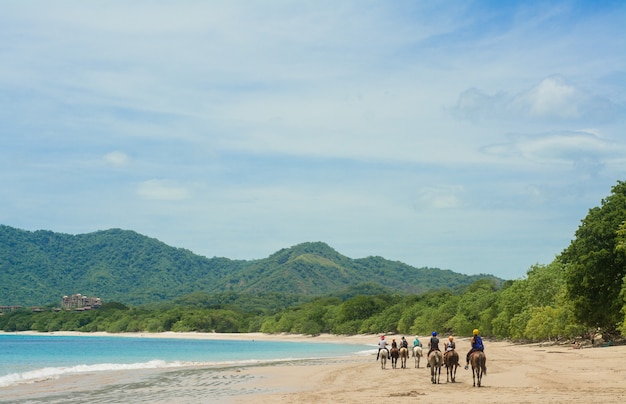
(536, 373)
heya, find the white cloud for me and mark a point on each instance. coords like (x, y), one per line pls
(439, 197)
(117, 158)
(554, 98)
(164, 190)
(580, 151)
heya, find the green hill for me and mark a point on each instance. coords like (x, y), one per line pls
(37, 268)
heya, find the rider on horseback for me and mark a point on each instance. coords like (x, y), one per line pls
(434, 343)
(382, 344)
(450, 346)
(404, 343)
(416, 342)
(477, 345)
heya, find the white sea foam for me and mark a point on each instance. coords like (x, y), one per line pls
(48, 373)
(37, 375)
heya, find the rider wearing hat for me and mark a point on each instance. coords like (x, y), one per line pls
(477, 345)
(382, 344)
(433, 343)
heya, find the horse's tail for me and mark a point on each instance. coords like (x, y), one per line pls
(483, 364)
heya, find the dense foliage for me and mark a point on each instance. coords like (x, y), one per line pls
(38, 268)
(512, 311)
(596, 264)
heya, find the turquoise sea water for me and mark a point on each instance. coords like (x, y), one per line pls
(28, 358)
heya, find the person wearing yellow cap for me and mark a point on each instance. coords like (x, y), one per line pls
(477, 345)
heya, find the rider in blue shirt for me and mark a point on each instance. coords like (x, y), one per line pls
(477, 345)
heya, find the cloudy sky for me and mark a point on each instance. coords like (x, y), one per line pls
(470, 136)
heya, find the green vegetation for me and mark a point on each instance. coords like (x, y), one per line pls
(582, 290)
(596, 264)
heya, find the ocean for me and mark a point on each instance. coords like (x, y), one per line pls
(26, 359)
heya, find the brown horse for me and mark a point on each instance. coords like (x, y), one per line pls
(451, 360)
(435, 360)
(479, 366)
(395, 353)
(404, 355)
(417, 354)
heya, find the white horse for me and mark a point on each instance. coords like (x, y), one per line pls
(384, 354)
(417, 354)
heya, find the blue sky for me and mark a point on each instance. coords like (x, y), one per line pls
(470, 136)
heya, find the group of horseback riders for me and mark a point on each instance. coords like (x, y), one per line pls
(382, 344)
(476, 345)
(433, 344)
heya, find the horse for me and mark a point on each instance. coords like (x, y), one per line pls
(383, 354)
(417, 354)
(404, 355)
(435, 359)
(451, 360)
(395, 353)
(479, 366)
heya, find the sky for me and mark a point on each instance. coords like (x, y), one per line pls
(464, 135)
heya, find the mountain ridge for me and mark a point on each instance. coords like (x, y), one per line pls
(38, 267)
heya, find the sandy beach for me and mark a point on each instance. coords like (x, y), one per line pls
(534, 373)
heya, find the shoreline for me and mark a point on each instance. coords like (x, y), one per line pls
(359, 339)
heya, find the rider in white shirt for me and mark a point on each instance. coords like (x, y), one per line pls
(382, 344)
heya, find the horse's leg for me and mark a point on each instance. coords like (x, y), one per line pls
(474, 375)
(455, 365)
(439, 373)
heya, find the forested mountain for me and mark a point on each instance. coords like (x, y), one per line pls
(37, 268)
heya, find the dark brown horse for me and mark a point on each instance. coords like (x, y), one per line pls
(435, 360)
(479, 366)
(395, 354)
(451, 360)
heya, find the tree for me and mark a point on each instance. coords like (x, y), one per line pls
(595, 266)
